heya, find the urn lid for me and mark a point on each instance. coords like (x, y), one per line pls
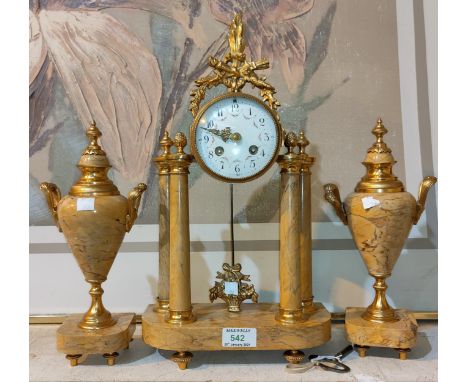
(94, 166)
(379, 162)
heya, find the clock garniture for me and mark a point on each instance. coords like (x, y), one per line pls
(235, 138)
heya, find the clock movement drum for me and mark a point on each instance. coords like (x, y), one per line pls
(235, 138)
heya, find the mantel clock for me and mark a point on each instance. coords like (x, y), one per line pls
(235, 137)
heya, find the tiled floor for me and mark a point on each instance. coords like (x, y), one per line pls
(142, 363)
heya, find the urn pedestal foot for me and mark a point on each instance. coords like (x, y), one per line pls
(182, 359)
(110, 358)
(75, 341)
(294, 356)
(399, 335)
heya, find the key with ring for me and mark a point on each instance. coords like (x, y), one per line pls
(326, 362)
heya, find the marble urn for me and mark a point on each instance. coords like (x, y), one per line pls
(380, 214)
(94, 218)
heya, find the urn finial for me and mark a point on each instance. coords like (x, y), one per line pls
(180, 141)
(302, 142)
(379, 145)
(379, 163)
(93, 134)
(94, 166)
(166, 143)
(290, 141)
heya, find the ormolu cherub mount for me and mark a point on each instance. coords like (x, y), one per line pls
(380, 215)
(94, 218)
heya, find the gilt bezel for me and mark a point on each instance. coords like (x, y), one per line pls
(199, 159)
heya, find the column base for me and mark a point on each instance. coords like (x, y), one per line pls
(161, 306)
(180, 317)
(308, 304)
(290, 317)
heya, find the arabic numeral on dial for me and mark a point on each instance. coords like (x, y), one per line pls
(235, 105)
(210, 124)
(206, 138)
(267, 137)
(252, 164)
(220, 113)
(261, 121)
(210, 154)
(222, 165)
(263, 153)
(237, 168)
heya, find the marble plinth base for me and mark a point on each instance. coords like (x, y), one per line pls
(206, 332)
(76, 342)
(400, 335)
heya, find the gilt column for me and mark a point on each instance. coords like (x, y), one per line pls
(290, 307)
(306, 224)
(180, 304)
(163, 163)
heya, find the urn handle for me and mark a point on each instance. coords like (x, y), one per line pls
(332, 195)
(53, 195)
(134, 198)
(424, 188)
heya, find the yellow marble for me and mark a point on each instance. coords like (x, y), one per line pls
(380, 232)
(94, 236)
(206, 332)
(163, 280)
(400, 334)
(71, 339)
(289, 256)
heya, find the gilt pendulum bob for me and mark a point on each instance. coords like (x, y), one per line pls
(380, 215)
(235, 138)
(94, 218)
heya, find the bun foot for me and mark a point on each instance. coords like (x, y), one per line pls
(294, 356)
(362, 350)
(110, 357)
(73, 358)
(182, 358)
(403, 353)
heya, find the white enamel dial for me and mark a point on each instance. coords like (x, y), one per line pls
(236, 138)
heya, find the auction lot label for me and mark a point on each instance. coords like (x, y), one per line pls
(239, 337)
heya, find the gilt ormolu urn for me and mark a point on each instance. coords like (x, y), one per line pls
(380, 214)
(94, 218)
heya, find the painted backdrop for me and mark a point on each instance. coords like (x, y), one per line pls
(130, 65)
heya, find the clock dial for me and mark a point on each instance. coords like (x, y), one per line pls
(235, 137)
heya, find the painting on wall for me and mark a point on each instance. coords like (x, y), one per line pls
(130, 65)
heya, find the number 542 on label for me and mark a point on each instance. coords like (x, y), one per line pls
(239, 337)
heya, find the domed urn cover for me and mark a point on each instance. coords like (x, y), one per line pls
(380, 215)
(94, 218)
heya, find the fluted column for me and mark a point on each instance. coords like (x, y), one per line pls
(306, 224)
(180, 304)
(163, 161)
(290, 307)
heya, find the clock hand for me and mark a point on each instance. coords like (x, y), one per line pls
(230, 135)
(219, 133)
(225, 134)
